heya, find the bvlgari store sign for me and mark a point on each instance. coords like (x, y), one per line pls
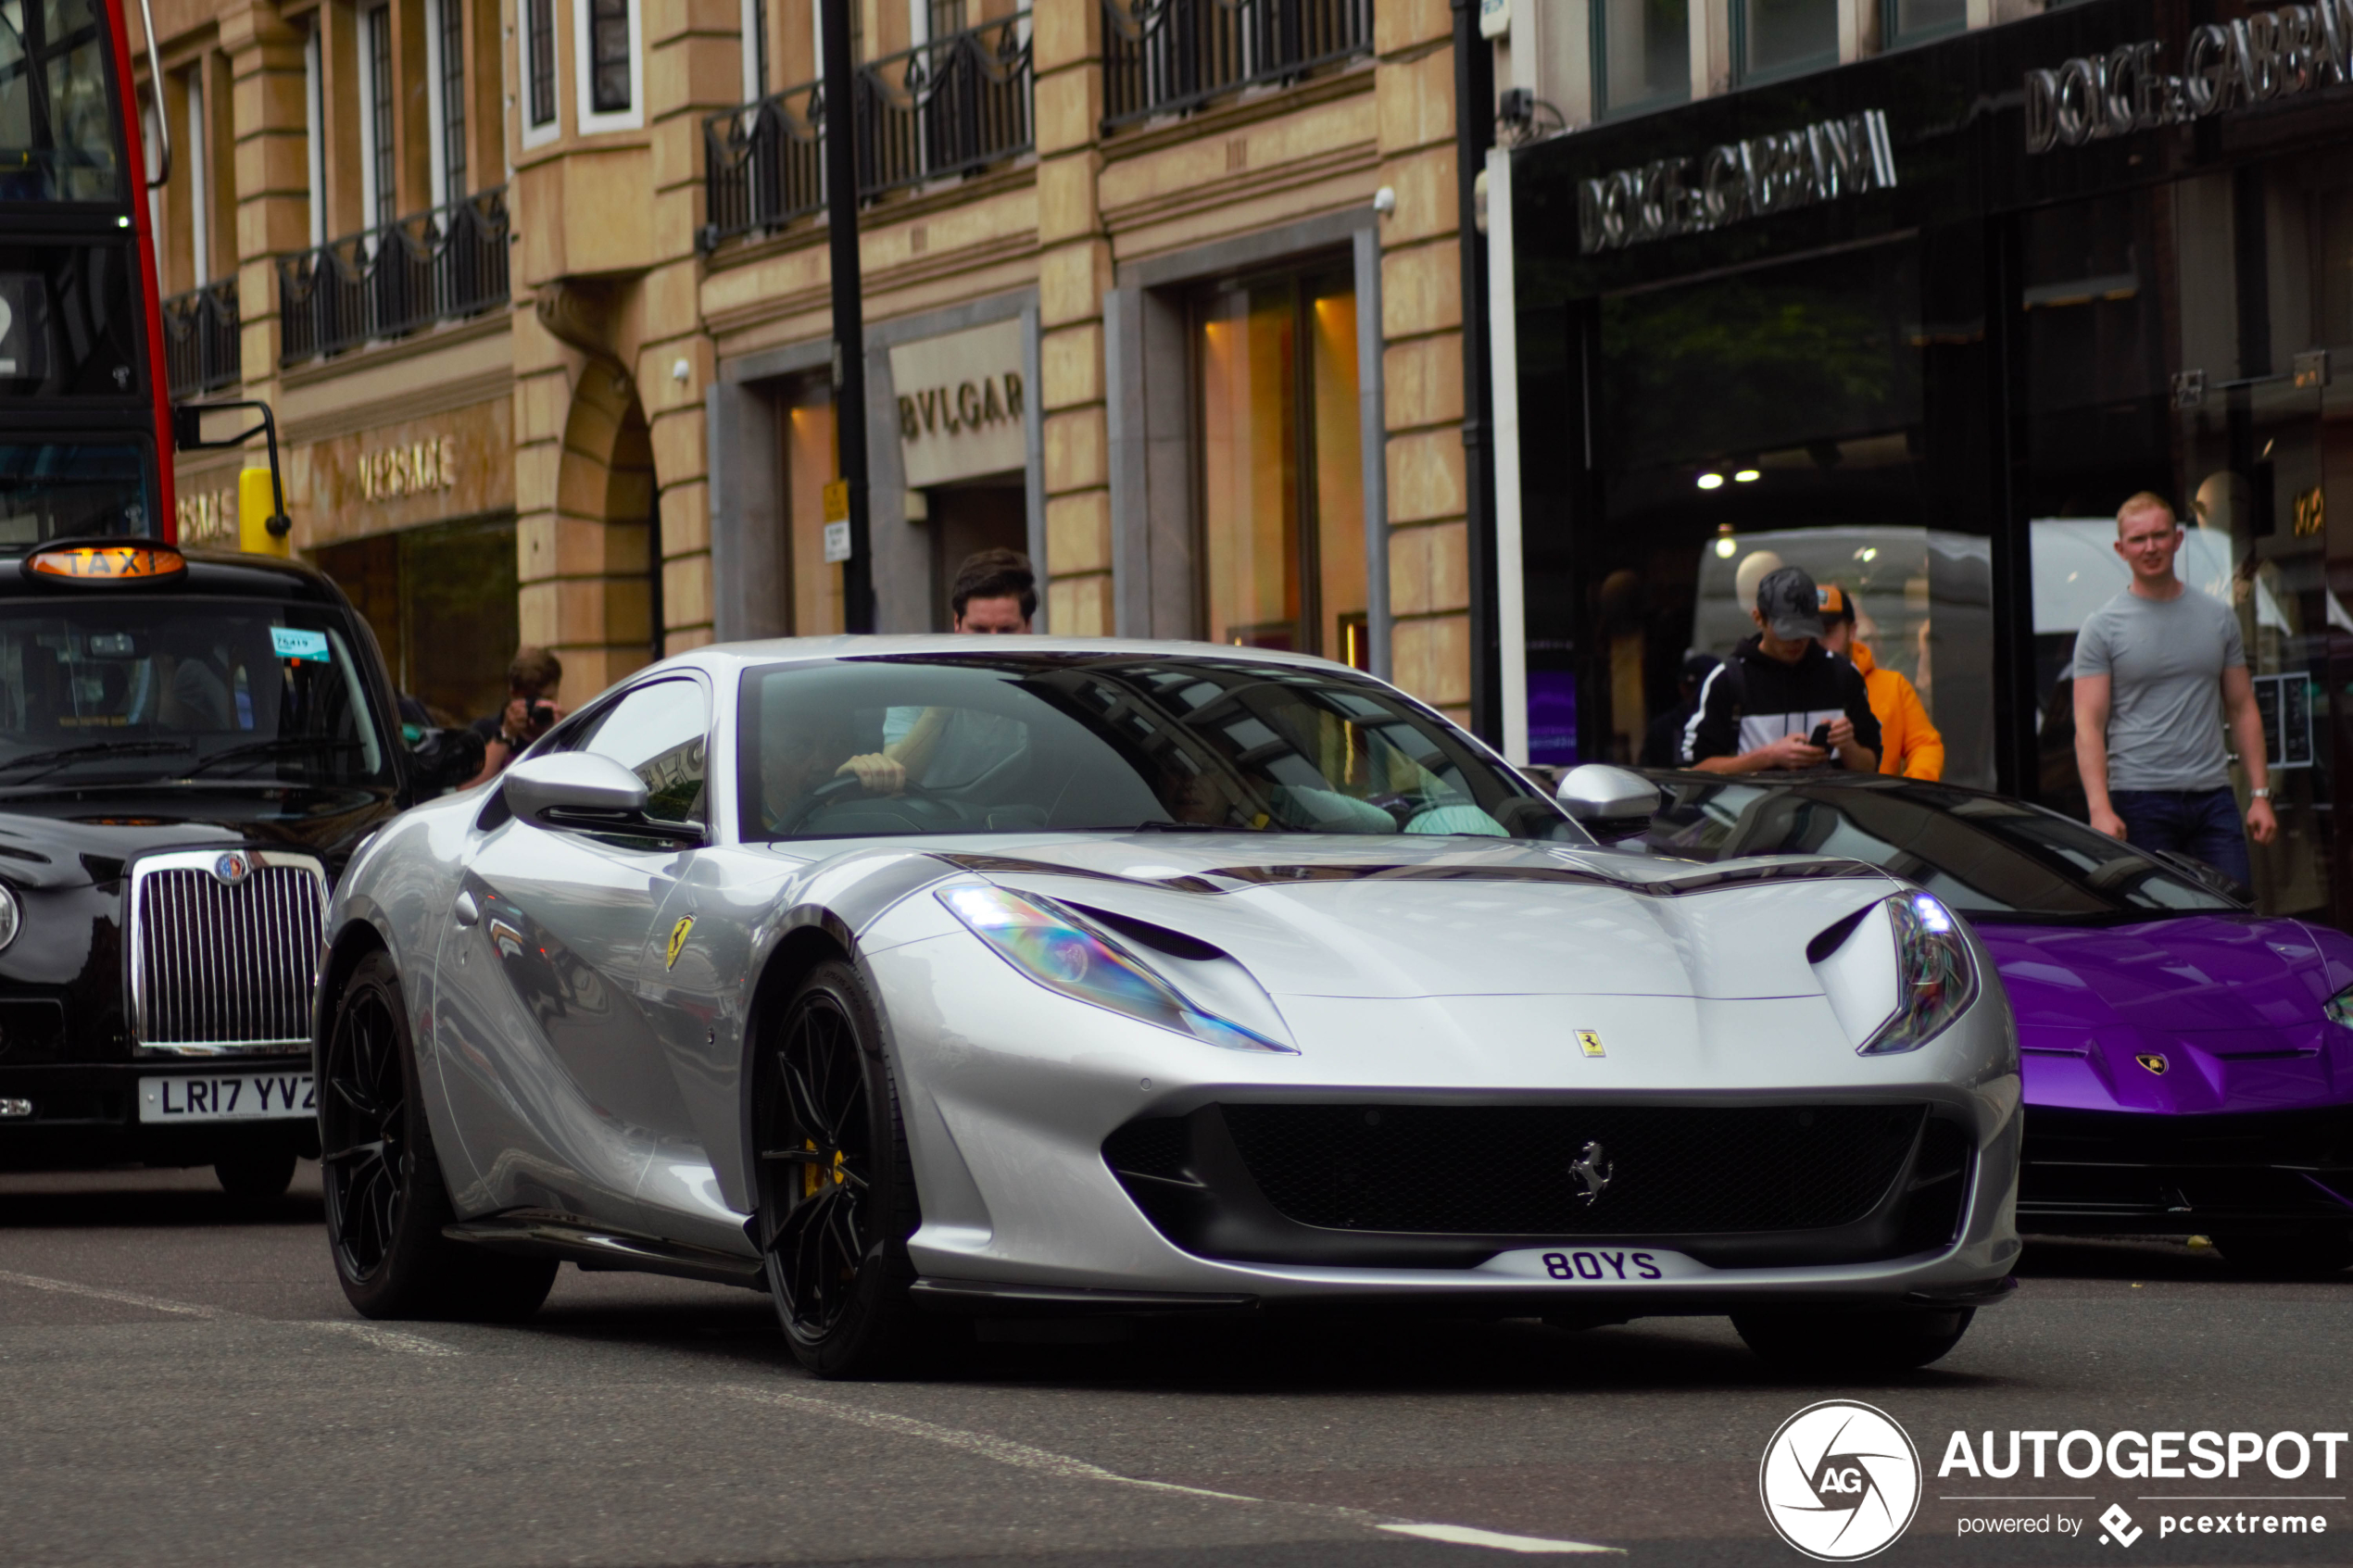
(962, 406)
(2263, 56)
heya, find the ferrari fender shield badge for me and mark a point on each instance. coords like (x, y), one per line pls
(1590, 1042)
(2153, 1061)
(678, 939)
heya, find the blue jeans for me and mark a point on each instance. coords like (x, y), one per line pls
(2201, 823)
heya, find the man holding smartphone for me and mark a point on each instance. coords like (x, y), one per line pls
(1783, 701)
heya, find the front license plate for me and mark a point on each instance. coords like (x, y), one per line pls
(227, 1097)
(1595, 1266)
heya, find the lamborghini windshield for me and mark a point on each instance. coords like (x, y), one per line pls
(139, 688)
(1989, 858)
(1050, 742)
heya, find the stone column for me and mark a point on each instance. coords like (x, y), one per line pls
(1073, 270)
(268, 118)
(1422, 354)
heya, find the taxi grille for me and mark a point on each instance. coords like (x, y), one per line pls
(1505, 1170)
(218, 967)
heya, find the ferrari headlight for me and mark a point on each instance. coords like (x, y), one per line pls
(1934, 975)
(1054, 947)
(2339, 1008)
(11, 914)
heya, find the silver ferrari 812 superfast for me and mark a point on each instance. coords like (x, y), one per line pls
(913, 980)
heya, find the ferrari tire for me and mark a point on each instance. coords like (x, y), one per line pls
(258, 1174)
(837, 1187)
(386, 1199)
(2314, 1252)
(1854, 1344)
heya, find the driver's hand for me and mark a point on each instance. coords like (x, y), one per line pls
(877, 775)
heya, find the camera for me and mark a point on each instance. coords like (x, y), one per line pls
(539, 714)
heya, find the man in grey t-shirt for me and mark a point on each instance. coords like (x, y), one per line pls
(2156, 667)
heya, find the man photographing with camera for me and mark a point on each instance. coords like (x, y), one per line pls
(535, 678)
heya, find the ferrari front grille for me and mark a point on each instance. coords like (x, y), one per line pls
(224, 949)
(1515, 1170)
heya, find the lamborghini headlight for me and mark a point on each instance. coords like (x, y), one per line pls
(2340, 1008)
(1053, 946)
(11, 914)
(1936, 977)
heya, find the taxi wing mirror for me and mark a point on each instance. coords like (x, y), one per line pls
(1612, 802)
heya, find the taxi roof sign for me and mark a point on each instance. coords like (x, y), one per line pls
(105, 562)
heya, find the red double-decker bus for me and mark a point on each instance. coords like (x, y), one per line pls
(85, 418)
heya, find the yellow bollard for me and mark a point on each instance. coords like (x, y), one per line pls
(256, 506)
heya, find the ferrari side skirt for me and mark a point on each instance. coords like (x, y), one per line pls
(974, 1298)
(541, 1234)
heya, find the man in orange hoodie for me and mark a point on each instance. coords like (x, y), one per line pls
(1911, 748)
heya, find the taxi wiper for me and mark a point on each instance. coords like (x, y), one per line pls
(50, 762)
(263, 750)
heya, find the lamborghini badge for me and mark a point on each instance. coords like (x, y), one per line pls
(2153, 1061)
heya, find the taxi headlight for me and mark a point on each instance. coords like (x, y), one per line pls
(1053, 946)
(1934, 974)
(11, 914)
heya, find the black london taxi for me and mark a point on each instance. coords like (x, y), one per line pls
(191, 744)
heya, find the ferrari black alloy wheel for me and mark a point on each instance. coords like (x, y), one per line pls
(385, 1201)
(1854, 1344)
(837, 1189)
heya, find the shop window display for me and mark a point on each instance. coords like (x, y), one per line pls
(1281, 467)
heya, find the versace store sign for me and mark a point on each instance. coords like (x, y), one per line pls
(1741, 179)
(2257, 58)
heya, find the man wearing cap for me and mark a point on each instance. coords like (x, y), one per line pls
(1765, 706)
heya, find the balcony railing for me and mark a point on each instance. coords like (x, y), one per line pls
(1163, 55)
(200, 340)
(949, 107)
(437, 266)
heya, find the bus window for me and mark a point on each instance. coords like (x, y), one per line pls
(59, 137)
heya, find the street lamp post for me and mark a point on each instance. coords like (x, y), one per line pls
(849, 328)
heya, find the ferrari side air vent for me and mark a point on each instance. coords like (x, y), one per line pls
(1832, 937)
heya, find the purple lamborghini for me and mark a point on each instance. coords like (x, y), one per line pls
(2188, 1062)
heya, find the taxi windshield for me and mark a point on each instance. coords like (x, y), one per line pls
(138, 688)
(1091, 743)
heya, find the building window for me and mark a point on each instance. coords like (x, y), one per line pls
(540, 24)
(606, 65)
(1281, 466)
(1776, 38)
(1642, 55)
(449, 78)
(1914, 21)
(378, 168)
(199, 183)
(811, 460)
(314, 131)
(755, 33)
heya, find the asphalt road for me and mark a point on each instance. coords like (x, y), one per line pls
(183, 1382)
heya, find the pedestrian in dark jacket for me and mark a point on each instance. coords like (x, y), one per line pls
(1783, 701)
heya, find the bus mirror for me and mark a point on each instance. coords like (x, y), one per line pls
(262, 530)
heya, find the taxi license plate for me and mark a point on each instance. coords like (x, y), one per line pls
(227, 1097)
(1595, 1266)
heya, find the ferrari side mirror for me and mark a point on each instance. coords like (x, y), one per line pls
(587, 793)
(1615, 801)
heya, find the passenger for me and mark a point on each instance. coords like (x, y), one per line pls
(1781, 692)
(1909, 747)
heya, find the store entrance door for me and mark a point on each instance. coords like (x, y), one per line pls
(2255, 478)
(977, 515)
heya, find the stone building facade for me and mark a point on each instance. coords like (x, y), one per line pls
(539, 292)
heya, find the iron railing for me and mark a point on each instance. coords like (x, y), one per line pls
(200, 340)
(943, 109)
(1160, 56)
(437, 266)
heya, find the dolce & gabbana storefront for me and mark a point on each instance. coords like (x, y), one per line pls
(1919, 324)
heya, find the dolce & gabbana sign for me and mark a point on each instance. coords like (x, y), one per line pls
(1738, 181)
(2260, 58)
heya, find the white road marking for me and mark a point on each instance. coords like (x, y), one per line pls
(382, 1338)
(1045, 1462)
(1463, 1535)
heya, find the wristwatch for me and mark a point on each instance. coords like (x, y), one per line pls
(2263, 793)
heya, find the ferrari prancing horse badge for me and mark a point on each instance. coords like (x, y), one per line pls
(1590, 1042)
(678, 939)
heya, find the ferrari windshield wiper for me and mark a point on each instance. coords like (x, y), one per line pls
(263, 750)
(50, 762)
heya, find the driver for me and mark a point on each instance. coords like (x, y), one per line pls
(801, 752)
(995, 595)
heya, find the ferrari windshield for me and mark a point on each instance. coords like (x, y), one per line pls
(1089, 743)
(1987, 857)
(134, 688)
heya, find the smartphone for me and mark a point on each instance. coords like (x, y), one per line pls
(1820, 739)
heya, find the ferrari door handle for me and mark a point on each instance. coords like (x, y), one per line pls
(467, 910)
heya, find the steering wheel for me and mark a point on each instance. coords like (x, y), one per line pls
(833, 789)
